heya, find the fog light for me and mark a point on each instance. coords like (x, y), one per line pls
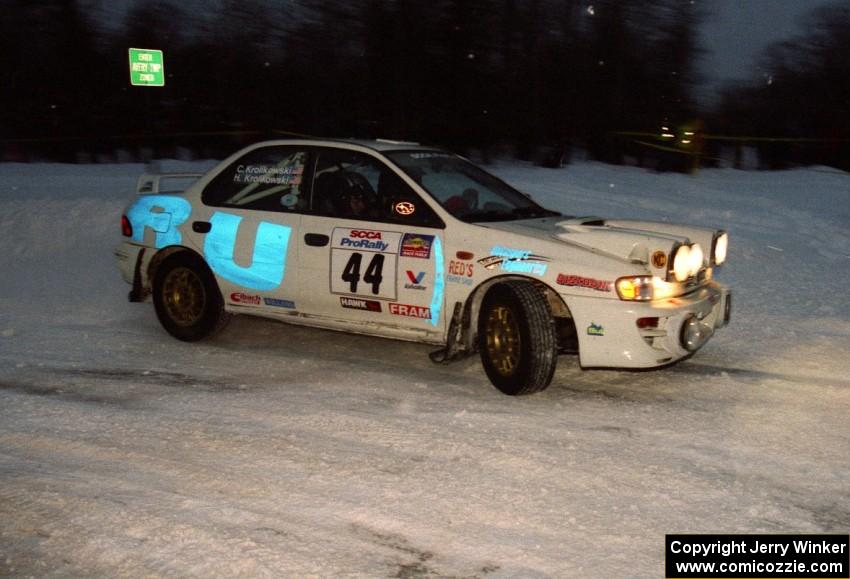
(694, 334)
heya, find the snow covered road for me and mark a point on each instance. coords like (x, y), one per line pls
(284, 451)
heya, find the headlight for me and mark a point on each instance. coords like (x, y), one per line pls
(687, 261)
(721, 246)
(643, 288)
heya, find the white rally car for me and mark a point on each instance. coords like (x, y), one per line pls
(410, 242)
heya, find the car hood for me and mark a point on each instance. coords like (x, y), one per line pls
(627, 240)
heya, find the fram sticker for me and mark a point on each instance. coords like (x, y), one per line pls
(358, 304)
(410, 311)
(585, 282)
(416, 245)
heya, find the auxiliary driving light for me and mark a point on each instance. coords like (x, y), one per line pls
(687, 261)
(682, 263)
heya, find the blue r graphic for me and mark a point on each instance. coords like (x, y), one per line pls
(172, 212)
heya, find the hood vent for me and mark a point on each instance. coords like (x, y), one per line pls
(589, 220)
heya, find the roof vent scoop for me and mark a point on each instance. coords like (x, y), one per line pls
(587, 220)
(577, 224)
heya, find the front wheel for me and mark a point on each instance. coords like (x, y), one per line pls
(186, 297)
(517, 338)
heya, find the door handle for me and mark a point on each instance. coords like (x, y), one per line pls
(316, 239)
(201, 226)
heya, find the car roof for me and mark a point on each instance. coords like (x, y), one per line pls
(379, 145)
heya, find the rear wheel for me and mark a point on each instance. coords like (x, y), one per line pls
(187, 299)
(517, 338)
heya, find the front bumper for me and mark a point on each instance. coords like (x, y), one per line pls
(610, 335)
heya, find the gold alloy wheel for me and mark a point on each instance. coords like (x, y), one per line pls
(503, 340)
(184, 296)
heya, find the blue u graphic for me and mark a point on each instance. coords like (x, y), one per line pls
(269, 259)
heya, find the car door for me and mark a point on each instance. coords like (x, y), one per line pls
(371, 248)
(253, 211)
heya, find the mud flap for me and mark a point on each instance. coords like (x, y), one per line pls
(455, 348)
(137, 293)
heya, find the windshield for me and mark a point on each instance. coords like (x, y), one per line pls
(467, 192)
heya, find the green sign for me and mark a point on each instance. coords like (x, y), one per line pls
(146, 67)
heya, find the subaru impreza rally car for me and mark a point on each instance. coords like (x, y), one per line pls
(410, 242)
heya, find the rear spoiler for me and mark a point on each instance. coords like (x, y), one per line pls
(150, 182)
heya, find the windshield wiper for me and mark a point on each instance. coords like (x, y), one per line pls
(489, 215)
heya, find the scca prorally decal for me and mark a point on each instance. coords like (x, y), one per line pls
(515, 261)
(240, 298)
(269, 258)
(585, 282)
(595, 330)
(366, 240)
(410, 311)
(415, 280)
(278, 303)
(416, 245)
(358, 304)
(361, 239)
(161, 213)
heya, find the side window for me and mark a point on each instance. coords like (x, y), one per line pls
(354, 185)
(267, 179)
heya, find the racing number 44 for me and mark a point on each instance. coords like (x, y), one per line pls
(373, 274)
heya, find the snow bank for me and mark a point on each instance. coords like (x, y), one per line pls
(285, 451)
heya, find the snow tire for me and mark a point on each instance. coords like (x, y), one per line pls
(186, 297)
(517, 338)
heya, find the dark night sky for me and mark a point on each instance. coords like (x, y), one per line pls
(739, 30)
(734, 35)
